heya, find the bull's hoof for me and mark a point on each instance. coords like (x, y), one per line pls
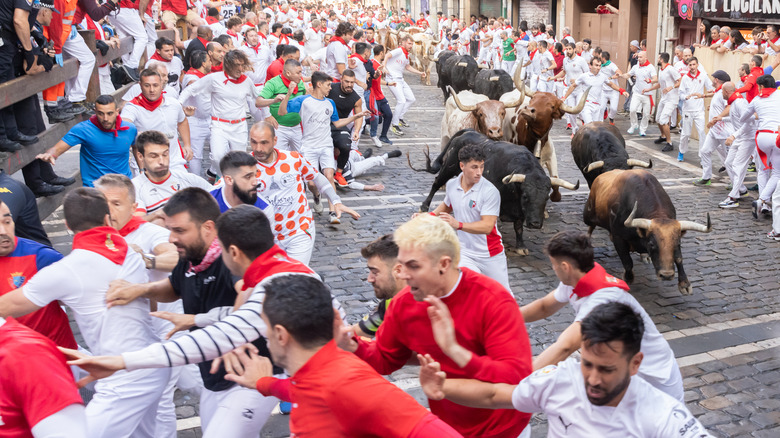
(685, 289)
(645, 258)
(521, 251)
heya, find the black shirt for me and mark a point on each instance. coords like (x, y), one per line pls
(201, 292)
(194, 46)
(345, 103)
(7, 8)
(24, 210)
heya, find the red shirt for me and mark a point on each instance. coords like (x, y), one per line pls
(274, 70)
(178, 7)
(488, 323)
(376, 84)
(750, 87)
(559, 62)
(329, 399)
(35, 382)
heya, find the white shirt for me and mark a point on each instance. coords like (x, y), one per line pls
(722, 129)
(152, 196)
(667, 77)
(336, 53)
(396, 65)
(174, 66)
(201, 101)
(260, 59)
(596, 84)
(768, 50)
(690, 85)
(574, 67)
(767, 110)
(313, 40)
(482, 199)
(659, 366)
(546, 61)
(148, 237)
(165, 118)
(228, 99)
(609, 70)
(642, 78)
(644, 411)
(743, 124)
(316, 116)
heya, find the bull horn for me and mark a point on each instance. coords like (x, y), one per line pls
(464, 108)
(639, 223)
(520, 85)
(639, 163)
(436, 56)
(462, 64)
(577, 109)
(595, 165)
(693, 226)
(538, 149)
(528, 91)
(494, 79)
(513, 178)
(558, 182)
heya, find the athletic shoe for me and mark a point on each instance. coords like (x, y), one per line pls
(334, 220)
(568, 126)
(394, 154)
(631, 130)
(403, 123)
(643, 134)
(659, 140)
(384, 139)
(702, 182)
(210, 177)
(752, 167)
(773, 235)
(70, 108)
(367, 153)
(376, 141)
(132, 72)
(722, 169)
(741, 194)
(318, 204)
(754, 206)
(680, 157)
(729, 203)
(395, 129)
(285, 407)
(667, 148)
(766, 211)
(340, 181)
(753, 188)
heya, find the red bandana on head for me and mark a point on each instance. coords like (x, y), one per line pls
(272, 262)
(596, 279)
(766, 92)
(195, 72)
(240, 79)
(734, 96)
(133, 224)
(147, 104)
(117, 125)
(104, 241)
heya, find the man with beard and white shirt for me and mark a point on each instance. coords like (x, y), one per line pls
(573, 67)
(337, 54)
(126, 403)
(595, 81)
(597, 395)
(260, 57)
(200, 121)
(239, 184)
(156, 183)
(160, 257)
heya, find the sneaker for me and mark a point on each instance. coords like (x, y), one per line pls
(210, 177)
(384, 139)
(70, 108)
(394, 154)
(367, 153)
(56, 115)
(702, 182)
(631, 130)
(754, 207)
(729, 203)
(340, 181)
(741, 193)
(403, 123)
(752, 167)
(132, 72)
(753, 188)
(667, 148)
(568, 126)
(318, 204)
(722, 169)
(376, 141)
(285, 407)
(395, 129)
(773, 235)
(680, 157)
(766, 211)
(334, 220)
(659, 140)
(643, 134)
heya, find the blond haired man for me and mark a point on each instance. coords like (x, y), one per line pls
(492, 343)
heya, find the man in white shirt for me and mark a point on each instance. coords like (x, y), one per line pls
(471, 206)
(546, 66)
(598, 395)
(485, 38)
(719, 129)
(394, 65)
(156, 182)
(313, 36)
(692, 88)
(573, 67)
(126, 403)
(641, 98)
(668, 82)
(741, 142)
(596, 82)
(338, 51)
(164, 52)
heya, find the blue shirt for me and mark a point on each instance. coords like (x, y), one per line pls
(223, 206)
(101, 152)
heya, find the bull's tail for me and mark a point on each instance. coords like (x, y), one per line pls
(430, 167)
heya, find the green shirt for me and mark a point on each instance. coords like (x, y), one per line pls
(275, 87)
(508, 44)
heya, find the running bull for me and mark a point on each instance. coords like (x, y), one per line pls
(599, 147)
(639, 215)
(422, 54)
(516, 173)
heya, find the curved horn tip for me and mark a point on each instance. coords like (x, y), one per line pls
(594, 165)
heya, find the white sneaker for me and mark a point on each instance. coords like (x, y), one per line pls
(631, 130)
(334, 219)
(376, 141)
(318, 205)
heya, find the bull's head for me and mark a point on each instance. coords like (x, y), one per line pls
(543, 108)
(488, 114)
(661, 238)
(532, 192)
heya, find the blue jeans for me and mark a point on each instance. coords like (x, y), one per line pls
(386, 114)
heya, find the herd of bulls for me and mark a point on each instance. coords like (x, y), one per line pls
(513, 124)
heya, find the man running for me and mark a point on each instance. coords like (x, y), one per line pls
(641, 100)
(394, 65)
(668, 82)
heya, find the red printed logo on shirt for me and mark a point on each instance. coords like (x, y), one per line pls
(472, 203)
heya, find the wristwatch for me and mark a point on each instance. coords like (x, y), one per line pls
(150, 260)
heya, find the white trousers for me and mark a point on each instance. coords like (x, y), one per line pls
(128, 23)
(76, 87)
(640, 103)
(533, 82)
(508, 66)
(591, 113)
(225, 137)
(200, 130)
(776, 211)
(106, 86)
(484, 55)
(300, 246)
(769, 174)
(236, 412)
(573, 100)
(288, 138)
(690, 119)
(404, 99)
(545, 86)
(737, 161)
(151, 38)
(362, 166)
(710, 145)
(493, 267)
(612, 97)
(121, 409)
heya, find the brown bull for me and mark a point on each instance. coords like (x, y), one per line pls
(422, 53)
(639, 215)
(388, 38)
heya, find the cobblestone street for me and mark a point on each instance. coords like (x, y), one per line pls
(726, 335)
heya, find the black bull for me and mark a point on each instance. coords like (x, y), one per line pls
(599, 147)
(457, 71)
(513, 170)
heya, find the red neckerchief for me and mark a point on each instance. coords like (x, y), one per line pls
(718, 41)
(371, 41)
(157, 57)
(195, 72)
(734, 96)
(216, 67)
(272, 262)
(285, 81)
(249, 23)
(262, 35)
(117, 125)
(211, 20)
(233, 34)
(104, 241)
(597, 279)
(766, 92)
(698, 72)
(532, 54)
(213, 253)
(284, 39)
(645, 64)
(240, 79)
(774, 41)
(132, 225)
(665, 67)
(355, 55)
(147, 104)
(339, 39)
(564, 37)
(406, 53)
(202, 41)
(742, 78)
(255, 48)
